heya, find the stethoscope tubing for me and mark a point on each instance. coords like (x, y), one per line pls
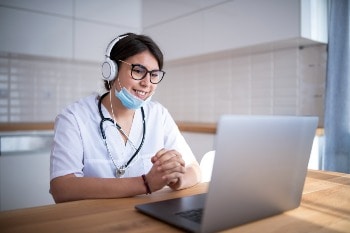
(104, 119)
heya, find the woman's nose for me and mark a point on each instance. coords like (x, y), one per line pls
(146, 81)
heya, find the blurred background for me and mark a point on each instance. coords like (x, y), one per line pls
(221, 57)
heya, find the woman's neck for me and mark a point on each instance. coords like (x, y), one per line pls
(120, 114)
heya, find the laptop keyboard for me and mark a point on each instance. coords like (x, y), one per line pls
(194, 215)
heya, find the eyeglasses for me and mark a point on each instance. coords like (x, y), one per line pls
(139, 72)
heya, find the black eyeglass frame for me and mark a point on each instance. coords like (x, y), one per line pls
(147, 71)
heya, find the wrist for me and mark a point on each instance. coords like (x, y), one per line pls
(145, 182)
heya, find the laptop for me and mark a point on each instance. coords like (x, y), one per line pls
(259, 171)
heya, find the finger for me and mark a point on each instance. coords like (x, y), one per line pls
(173, 182)
(176, 184)
(181, 161)
(171, 177)
(171, 167)
(173, 164)
(172, 155)
(164, 157)
(158, 155)
(178, 157)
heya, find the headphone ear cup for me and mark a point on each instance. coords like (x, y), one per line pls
(109, 69)
(109, 66)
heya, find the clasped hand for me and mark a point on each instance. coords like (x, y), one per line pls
(168, 169)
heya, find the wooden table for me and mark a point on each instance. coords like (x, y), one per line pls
(325, 207)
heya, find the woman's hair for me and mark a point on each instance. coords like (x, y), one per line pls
(132, 44)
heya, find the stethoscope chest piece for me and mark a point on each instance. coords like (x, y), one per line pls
(119, 172)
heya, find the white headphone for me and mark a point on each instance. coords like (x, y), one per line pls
(110, 67)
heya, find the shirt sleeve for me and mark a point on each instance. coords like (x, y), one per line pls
(67, 149)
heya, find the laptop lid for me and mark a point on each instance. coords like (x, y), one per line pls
(259, 170)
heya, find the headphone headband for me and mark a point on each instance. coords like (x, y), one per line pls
(110, 67)
(111, 45)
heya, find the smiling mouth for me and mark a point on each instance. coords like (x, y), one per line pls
(140, 94)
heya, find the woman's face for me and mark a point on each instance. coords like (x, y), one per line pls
(140, 88)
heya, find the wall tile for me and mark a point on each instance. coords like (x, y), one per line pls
(285, 81)
(38, 88)
(288, 82)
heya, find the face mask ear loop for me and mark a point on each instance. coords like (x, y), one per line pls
(119, 84)
(110, 101)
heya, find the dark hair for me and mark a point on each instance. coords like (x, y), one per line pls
(132, 44)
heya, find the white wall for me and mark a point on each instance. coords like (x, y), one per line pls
(73, 29)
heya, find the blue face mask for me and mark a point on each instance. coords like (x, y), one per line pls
(130, 101)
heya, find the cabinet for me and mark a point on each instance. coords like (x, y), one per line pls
(230, 25)
(65, 29)
(24, 170)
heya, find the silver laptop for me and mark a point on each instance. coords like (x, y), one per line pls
(259, 171)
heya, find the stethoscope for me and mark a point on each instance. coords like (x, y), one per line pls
(121, 169)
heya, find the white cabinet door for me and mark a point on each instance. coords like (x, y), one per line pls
(24, 172)
(24, 180)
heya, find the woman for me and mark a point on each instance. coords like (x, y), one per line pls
(121, 144)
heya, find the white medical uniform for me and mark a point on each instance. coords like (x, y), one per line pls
(78, 146)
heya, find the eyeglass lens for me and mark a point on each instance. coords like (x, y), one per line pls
(139, 72)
